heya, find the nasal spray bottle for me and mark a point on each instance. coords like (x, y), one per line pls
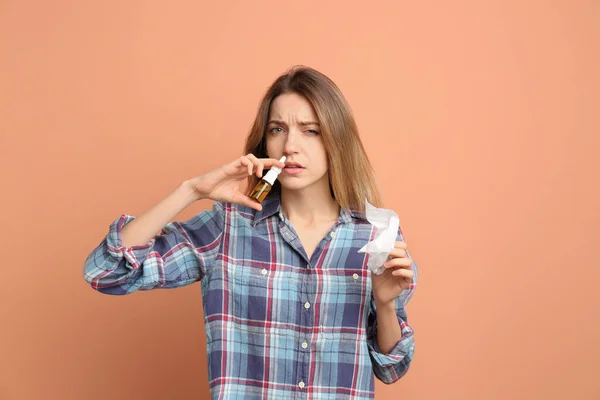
(262, 188)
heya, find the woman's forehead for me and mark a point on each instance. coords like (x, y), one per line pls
(292, 106)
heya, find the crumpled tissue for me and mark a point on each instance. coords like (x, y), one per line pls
(386, 223)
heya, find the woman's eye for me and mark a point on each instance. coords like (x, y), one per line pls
(276, 130)
(313, 131)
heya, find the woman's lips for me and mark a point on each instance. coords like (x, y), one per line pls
(293, 170)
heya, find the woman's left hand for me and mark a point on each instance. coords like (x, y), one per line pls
(398, 275)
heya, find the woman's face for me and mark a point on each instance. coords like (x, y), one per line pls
(293, 130)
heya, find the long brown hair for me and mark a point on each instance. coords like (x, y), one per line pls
(351, 176)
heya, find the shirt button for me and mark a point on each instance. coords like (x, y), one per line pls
(332, 234)
(304, 345)
(301, 385)
(307, 305)
(355, 276)
(264, 271)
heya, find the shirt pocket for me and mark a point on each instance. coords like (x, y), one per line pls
(263, 300)
(344, 305)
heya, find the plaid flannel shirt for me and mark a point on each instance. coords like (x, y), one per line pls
(278, 324)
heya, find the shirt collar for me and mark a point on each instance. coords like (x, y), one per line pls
(272, 205)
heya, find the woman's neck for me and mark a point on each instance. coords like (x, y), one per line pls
(309, 207)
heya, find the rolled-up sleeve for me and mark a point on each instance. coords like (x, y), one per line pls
(178, 256)
(391, 366)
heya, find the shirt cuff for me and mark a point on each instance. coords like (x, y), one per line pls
(404, 346)
(115, 246)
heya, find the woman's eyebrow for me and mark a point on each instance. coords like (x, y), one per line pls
(303, 123)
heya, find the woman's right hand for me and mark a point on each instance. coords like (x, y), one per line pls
(223, 184)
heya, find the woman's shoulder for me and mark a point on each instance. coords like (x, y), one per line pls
(236, 211)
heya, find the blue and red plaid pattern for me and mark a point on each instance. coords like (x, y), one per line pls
(278, 324)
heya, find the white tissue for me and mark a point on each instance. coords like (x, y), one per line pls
(386, 223)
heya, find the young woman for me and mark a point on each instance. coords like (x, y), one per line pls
(291, 309)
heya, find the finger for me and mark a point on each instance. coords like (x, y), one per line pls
(405, 263)
(249, 165)
(246, 201)
(400, 245)
(269, 162)
(398, 253)
(404, 273)
(258, 163)
(253, 204)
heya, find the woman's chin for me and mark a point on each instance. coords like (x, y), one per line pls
(292, 188)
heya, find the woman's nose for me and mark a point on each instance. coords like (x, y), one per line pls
(290, 144)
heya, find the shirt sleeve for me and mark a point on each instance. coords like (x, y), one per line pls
(178, 256)
(391, 366)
